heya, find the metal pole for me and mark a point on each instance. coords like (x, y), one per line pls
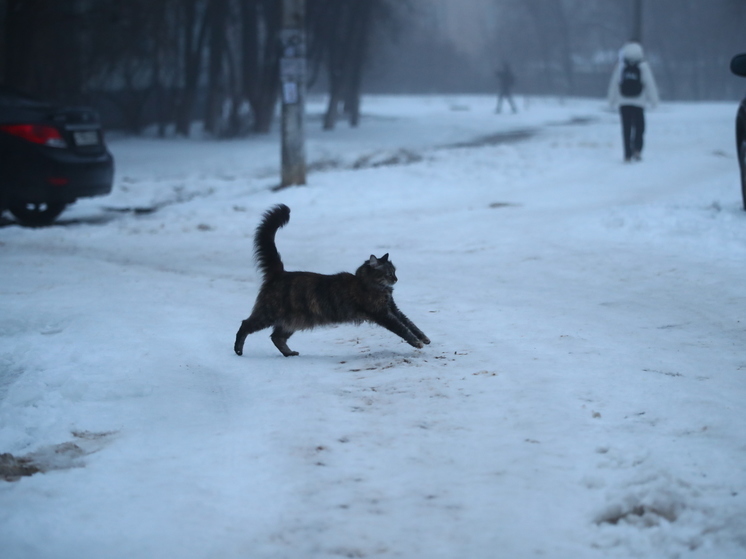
(293, 78)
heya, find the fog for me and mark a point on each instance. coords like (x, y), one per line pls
(561, 47)
(167, 63)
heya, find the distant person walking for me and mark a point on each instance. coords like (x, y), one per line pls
(507, 79)
(632, 89)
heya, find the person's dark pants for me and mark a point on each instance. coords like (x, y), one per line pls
(633, 129)
(505, 94)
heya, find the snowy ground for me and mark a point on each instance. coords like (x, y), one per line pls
(583, 397)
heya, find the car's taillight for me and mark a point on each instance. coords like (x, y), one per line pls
(36, 133)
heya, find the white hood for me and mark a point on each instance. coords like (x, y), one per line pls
(632, 52)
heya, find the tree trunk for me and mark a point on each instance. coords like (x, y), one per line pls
(261, 63)
(218, 16)
(335, 97)
(192, 57)
(19, 42)
(358, 53)
(636, 34)
(338, 55)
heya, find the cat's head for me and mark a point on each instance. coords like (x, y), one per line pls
(379, 271)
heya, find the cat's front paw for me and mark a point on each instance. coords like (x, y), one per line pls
(418, 344)
(425, 340)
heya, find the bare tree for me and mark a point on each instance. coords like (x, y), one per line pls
(119, 62)
(340, 33)
(193, 26)
(553, 32)
(216, 91)
(171, 61)
(42, 48)
(260, 81)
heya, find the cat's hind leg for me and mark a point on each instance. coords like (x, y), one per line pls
(249, 326)
(280, 337)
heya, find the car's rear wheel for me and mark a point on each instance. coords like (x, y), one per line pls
(36, 214)
(742, 163)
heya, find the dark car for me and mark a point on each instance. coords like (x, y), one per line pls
(738, 67)
(50, 156)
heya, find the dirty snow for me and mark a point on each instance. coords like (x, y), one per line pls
(583, 397)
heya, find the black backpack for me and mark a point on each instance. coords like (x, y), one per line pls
(631, 82)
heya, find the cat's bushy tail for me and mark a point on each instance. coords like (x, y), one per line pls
(267, 257)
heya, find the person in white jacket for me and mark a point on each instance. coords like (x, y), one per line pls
(632, 89)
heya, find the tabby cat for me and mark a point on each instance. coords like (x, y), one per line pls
(290, 301)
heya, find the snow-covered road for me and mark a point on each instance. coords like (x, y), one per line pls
(584, 394)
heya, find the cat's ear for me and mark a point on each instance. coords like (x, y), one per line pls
(385, 257)
(373, 260)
